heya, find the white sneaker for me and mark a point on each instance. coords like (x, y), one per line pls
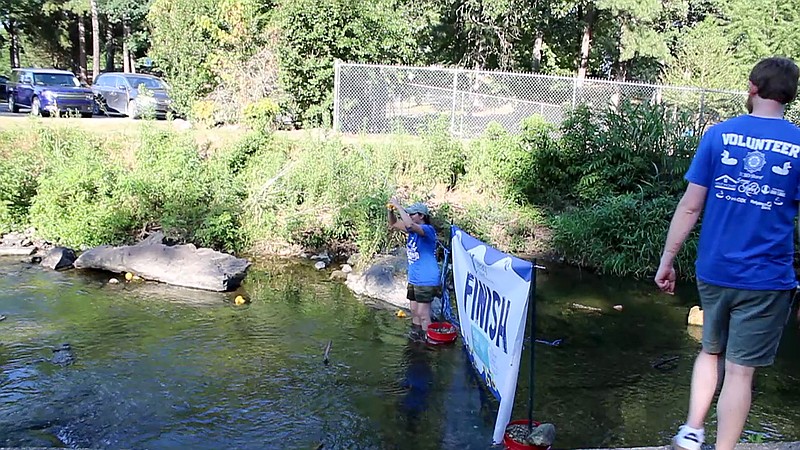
(688, 439)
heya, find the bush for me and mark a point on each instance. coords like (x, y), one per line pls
(76, 202)
(260, 115)
(18, 184)
(621, 235)
(635, 149)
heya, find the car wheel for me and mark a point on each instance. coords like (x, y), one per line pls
(11, 105)
(133, 110)
(36, 107)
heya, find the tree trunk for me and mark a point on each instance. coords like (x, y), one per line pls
(110, 48)
(537, 50)
(95, 40)
(126, 57)
(81, 48)
(588, 26)
(13, 48)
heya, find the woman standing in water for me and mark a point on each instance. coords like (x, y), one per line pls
(423, 269)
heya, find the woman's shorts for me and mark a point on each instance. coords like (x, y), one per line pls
(422, 294)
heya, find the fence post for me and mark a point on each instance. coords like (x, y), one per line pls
(574, 92)
(336, 88)
(702, 105)
(453, 108)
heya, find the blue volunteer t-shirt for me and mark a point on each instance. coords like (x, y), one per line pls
(751, 167)
(423, 270)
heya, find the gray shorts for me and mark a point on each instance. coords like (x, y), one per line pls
(744, 325)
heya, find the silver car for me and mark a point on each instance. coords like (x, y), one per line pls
(131, 94)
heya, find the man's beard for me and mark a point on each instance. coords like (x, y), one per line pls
(749, 104)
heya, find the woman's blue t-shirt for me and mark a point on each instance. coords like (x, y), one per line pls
(423, 269)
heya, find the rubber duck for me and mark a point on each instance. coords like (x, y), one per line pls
(401, 314)
(239, 300)
(128, 276)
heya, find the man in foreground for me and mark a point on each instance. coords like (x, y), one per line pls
(745, 174)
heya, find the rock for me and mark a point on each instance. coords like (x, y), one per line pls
(179, 265)
(13, 240)
(113, 281)
(353, 259)
(59, 258)
(35, 259)
(385, 279)
(17, 251)
(321, 257)
(63, 355)
(156, 238)
(543, 435)
(695, 316)
(347, 268)
(338, 275)
(319, 265)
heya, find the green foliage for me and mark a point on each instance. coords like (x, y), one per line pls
(260, 115)
(18, 184)
(633, 149)
(503, 163)
(192, 199)
(621, 235)
(181, 40)
(76, 201)
(316, 32)
(793, 113)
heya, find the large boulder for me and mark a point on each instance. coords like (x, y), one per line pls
(179, 265)
(385, 279)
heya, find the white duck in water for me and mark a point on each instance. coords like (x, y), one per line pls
(782, 170)
(727, 160)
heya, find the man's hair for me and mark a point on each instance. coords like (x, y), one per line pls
(776, 79)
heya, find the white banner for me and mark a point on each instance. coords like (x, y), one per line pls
(492, 297)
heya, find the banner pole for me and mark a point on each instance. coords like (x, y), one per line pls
(532, 340)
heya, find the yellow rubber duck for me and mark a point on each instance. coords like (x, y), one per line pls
(401, 314)
(239, 300)
(128, 276)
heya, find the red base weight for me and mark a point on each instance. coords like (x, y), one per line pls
(511, 444)
(446, 333)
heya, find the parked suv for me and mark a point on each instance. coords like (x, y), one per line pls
(46, 91)
(132, 94)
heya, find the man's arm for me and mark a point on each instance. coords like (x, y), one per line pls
(684, 219)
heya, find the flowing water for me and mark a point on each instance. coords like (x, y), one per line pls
(166, 368)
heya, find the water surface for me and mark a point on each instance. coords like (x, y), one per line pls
(168, 368)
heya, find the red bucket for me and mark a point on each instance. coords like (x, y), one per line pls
(511, 444)
(442, 332)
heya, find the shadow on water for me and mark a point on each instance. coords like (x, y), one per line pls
(162, 368)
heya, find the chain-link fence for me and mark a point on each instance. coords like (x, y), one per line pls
(378, 99)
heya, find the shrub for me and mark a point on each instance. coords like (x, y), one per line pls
(76, 202)
(260, 115)
(18, 184)
(635, 149)
(621, 235)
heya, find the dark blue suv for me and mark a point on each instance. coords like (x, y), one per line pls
(46, 91)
